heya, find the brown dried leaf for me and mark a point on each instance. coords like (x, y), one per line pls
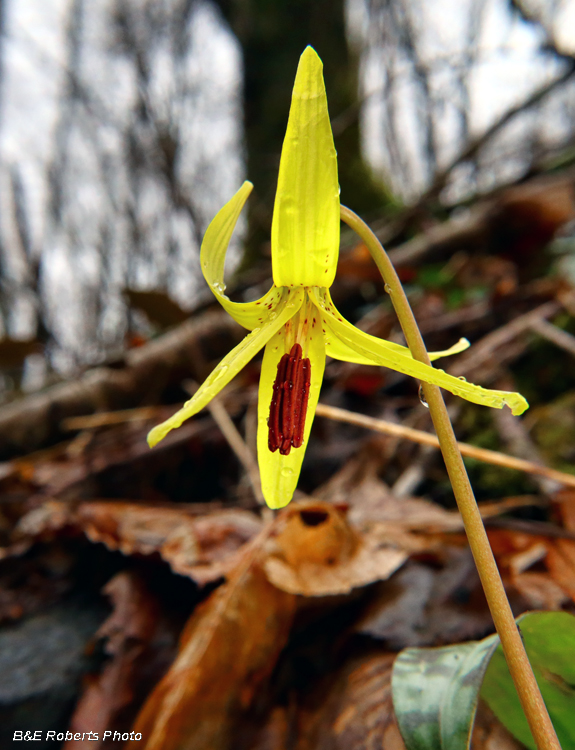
(428, 605)
(370, 500)
(13, 352)
(357, 713)
(158, 307)
(129, 629)
(317, 553)
(540, 591)
(561, 564)
(490, 734)
(561, 552)
(200, 547)
(229, 647)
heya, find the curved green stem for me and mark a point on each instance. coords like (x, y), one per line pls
(519, 666)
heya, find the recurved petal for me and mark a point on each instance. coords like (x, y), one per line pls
(280, 474)
(230, 365)
(336, 348)
(379, 352)
(213, 257)
(305, 225)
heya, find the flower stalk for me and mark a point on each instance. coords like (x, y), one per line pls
(521, 672)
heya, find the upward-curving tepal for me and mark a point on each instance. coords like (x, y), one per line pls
(296, 321)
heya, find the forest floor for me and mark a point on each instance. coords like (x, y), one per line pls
(121, 566)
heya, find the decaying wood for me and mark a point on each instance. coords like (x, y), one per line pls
(35, 421)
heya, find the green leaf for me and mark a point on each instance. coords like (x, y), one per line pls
(549, 639)
(435, 690)
(435, 693)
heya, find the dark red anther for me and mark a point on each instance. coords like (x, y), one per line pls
(287, 416)
(303, 399)
(274, 434)
(288, 407)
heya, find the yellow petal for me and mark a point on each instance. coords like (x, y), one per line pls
(336, 348)
(213, 256)
(305, 226)
(280, 474)
(379, 352)
(230, 365)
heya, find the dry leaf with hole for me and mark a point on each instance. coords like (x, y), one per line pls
(316, 552)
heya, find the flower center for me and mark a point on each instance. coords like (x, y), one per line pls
(290, 396)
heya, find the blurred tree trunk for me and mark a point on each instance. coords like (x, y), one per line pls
(273, 34)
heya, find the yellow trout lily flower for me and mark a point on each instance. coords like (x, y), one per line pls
(296, 321)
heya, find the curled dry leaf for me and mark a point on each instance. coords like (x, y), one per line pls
(315, 552)
(232, 642)
(229, 647)
(517, 551)
(201, 547)
(129, 629)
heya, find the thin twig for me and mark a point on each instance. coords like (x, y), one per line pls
(556, 335)
(511, 642)
(103, 419)
(237, 444)
(483, 349)
(425, 438)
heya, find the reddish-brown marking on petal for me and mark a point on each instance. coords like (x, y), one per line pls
(288, 407)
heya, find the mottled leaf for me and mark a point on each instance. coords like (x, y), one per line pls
(435, 691)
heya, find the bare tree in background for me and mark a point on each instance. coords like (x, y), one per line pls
(428, 126)
(145, 140)
(145, 148)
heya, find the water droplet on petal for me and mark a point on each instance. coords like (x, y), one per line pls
(220, 372)
(286, 472)
(461, 377)
(387, 288)
(272, 316)
(422, 397)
